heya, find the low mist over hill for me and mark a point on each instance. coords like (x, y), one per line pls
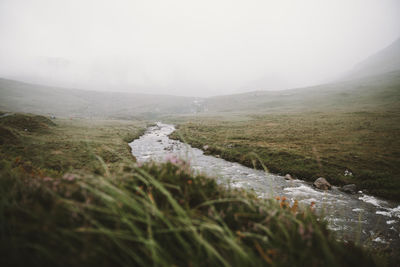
(386, 60)
(374, 84)
(23, 97)
(374, 92)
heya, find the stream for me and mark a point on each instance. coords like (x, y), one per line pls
(357, 217)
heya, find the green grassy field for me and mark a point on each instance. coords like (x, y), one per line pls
(60, 205)
(308, 145)
(61, 145)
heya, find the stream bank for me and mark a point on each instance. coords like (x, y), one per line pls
(358, 217)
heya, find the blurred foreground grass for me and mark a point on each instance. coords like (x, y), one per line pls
(160, 215)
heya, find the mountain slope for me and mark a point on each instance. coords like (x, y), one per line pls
(23, 97)
(373, 84)
(386, 60)
(374, 92)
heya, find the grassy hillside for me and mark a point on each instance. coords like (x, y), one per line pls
(23, 97)
(381, 92)
(386, 60)
(374, 84)
(60, 145)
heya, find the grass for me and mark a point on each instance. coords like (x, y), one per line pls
(99, 209)
(378, 92)
(160, 215)
(308, 145)
(61, 145)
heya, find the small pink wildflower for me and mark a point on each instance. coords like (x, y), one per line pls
(173, 159)
(47, 179)
(69, 177)
(139, 164)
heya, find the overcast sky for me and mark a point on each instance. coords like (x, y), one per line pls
(183, 47)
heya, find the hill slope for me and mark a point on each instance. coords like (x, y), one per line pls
(386, 60)
(374, 92)
(374, 83)
(23, 97)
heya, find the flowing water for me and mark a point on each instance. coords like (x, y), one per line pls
(357, 217)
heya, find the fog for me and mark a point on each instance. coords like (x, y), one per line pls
(191, 48)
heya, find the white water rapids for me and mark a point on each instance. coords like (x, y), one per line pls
(358, 217)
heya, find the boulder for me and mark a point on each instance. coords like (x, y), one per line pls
(205, 147)
(322, 183)
(288, 177)
(350, 188)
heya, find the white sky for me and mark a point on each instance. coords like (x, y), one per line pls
(185, 47)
